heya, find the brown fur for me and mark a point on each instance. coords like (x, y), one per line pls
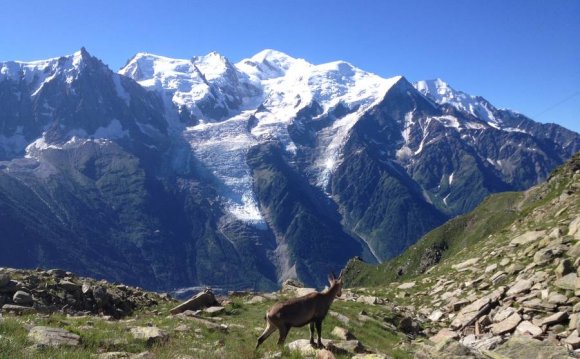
(308, 309)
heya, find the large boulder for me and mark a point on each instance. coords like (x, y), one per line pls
(527, 237)
(521, 347)
(150, 335)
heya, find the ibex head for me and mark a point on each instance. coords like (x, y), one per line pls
(335, 283)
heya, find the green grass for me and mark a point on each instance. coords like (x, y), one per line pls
(245, 322)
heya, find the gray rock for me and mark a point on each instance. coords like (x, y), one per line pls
(527, 237)
(544, 256)
(18, 309)
(557, 298)
(346, 347)
(506, 326)
(436, 315)
(527, 328)
(114, 355)
(407, 285)
(4, 279)
(574, 228)
(22, 298)
(554, 319)
(465, 264)
(53, 336)
(564, 267)
(521, 286)
(569, 282)
(149, 334)
(470, 313)
(342, 333)
(214, 311)
(201, 300)
(573, 341)
(574, 251)
(522, 347)
(444, 335)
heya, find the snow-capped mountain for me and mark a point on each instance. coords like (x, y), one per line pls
(176, 172)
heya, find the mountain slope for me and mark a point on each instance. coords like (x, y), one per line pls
(185, 172)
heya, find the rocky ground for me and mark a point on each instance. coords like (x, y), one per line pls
(513, 294)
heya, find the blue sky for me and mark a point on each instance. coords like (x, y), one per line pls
(519, 54)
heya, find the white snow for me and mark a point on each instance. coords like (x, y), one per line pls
(271, 86)
(442, 93)
(450, 181)
(114, 130)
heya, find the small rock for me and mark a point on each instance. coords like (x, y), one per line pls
(565, 267)
(465, 264)
(490, 268)
(407, 285)
(521, 286)
(18, 309)
(214, 311)
(4, 279)
(114, 355)
(554, 318)
(256, 299)
(573, 341)
(149, 334)
(568, 282)
(22, 298)
(506, 326)
(53, 336)
(436, 315)
(342, 333)
(527, 328)
(201, 300)
(324, 354)
(443, 335)
(527, 237)
(346, 346)
(557, 298)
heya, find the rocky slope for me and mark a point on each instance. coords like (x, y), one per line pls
(182, 172)
(503, 280)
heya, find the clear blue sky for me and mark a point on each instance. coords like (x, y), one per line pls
(519, 54)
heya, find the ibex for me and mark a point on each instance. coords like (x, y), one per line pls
(310, 308)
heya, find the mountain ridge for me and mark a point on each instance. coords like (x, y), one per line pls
(169, 154)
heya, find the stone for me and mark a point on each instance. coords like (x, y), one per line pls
(114, 355)
(573, 341)
(256, 299)
(58, 273)
(490, 268)
(504, 262)
(514, 268)
(527, 328)
(214, 311)
(554, 319)
(370, 356)
(465, 264)
(4, 279)
(574, 251)
(18, 309)
(444, 335)
(69, 286)
(436, 315)
(53, 336)
(564, 267)
(458, 304)
(407, 285)
(503, 314)
(340, 317)
(346, 347)
(342, 333)
(568, 282)
(324, 354)
(483, 342)
(368, 299)
(507, 325)
(144, 355)
(544, 256)
(22, 298)
(470, 313)
(182, 328)
(527, 237)
(574, 228)
(557, 298)
(521, 286)
(201, 300)
(524, 347)
(149, 334)
(304, 348)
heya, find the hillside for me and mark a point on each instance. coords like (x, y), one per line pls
(506, 272)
